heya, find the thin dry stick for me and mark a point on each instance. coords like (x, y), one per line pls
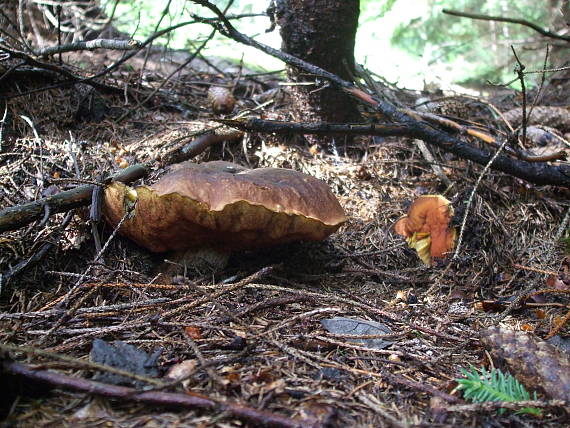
(232, 287)
(68, 295)
(432, 162)
(135, 285)
(509, 20)
(150, 303)
(373, 403)
(365, 348)
(78, 362)
(213, 375)
(77, 341)
(91, 45)
(3, 121)
(471, 196)
(291, 320)
(149, 50)
(489, 406)
(533, 269)
(22, 34)
(524, 293)
(382, 313)
(250, 415)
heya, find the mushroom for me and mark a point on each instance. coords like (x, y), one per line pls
(225, 206)
(427, 229)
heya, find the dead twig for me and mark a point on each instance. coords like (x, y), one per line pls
(18, 216)
(232, 287)
(91, 45)
(509, 20)
(79, 363)
(282, 127)
(488, 406)
(157, 398)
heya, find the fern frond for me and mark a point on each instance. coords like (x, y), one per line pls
(482, 385)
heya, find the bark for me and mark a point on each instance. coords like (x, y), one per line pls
(321, 32)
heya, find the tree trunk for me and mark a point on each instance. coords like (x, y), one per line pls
(321, 32)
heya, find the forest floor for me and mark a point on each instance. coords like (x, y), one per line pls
(251, 333)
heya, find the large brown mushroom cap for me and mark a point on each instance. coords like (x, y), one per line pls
(427, 227)
(223, 204)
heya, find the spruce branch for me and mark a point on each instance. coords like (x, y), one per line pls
(481, 385)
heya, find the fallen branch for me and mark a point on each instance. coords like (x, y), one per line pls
(14, 217)
(157, 398)
(533, 172)
(282, 127)
(197, 146)
(91, 45)
(509, 20)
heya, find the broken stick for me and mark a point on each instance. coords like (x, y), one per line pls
(20, 215)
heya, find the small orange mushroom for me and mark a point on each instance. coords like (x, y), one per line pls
(224, 206)
(427, 228)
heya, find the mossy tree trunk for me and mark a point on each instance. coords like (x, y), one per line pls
(321, 32)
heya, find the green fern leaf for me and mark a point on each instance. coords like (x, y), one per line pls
(481, 385)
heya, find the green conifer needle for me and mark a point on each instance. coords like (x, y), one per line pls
(480, 385)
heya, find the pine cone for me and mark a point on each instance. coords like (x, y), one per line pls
(222, 100)
(455, 108)
(552, 116)
(535, 363)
